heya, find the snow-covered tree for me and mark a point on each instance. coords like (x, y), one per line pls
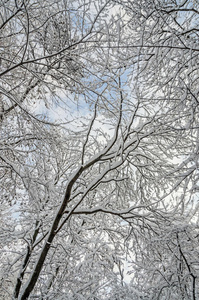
(98, 149)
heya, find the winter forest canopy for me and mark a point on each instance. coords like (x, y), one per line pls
(99, 149)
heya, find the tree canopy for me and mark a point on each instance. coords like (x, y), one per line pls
(99, 149)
